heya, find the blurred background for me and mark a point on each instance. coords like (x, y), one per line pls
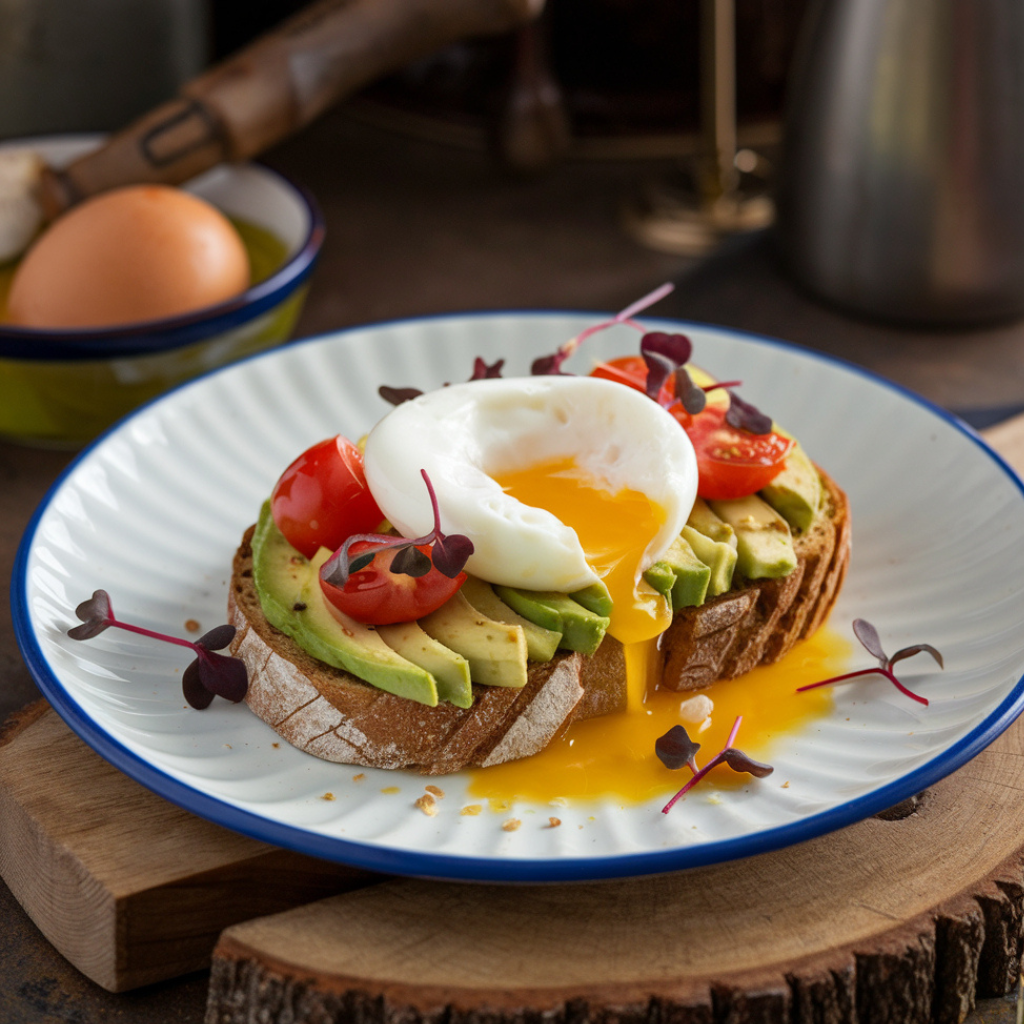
(558, 165)
(574, 163)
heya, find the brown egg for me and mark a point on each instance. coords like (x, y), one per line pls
(132, 254)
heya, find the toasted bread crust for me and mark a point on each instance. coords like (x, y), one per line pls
(332, 714)
(758, 622)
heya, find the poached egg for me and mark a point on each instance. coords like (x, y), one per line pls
(559, 482)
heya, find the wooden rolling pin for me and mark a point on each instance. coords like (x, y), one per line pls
(266, 91)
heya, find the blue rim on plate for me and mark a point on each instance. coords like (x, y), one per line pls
(424, 863)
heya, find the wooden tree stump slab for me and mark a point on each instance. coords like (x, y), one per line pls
(130, 888)
(902, 920)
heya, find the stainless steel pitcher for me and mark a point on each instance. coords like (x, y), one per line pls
(901, 192)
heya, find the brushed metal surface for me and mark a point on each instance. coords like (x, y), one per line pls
(902, 191)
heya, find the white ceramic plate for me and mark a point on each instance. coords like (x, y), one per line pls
(154, 510)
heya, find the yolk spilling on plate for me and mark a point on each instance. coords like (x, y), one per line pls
(614, 531)
(614, 755)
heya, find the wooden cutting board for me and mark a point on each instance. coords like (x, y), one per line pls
(907, 919)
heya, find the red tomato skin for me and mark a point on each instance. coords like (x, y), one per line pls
(377, 597)
(733, 463)
(722, 474)
(632, 371)
(322, 498)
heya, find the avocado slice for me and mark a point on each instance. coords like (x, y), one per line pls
(661, 577)
(288, 586)
(717, 555)
(703, 519)
(541, 643)
(497, 653)
(450, 670)
(687, 576)
(764, 544)
(581, 629)
(595, 598)
(796, 492)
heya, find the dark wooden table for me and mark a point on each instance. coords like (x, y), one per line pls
(416, 228)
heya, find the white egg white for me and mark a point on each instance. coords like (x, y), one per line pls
(462, 434)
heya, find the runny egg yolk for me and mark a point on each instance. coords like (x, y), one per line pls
(614, 530)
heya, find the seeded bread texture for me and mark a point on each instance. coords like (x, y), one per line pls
(332, 714)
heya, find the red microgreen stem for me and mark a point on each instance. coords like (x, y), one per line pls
(153, 634)
(699, 773)
(623, 317)
(210, 675)
(868, 636)
(339, 567)
(867, 672)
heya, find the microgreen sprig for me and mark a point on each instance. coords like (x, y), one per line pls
(664, 354)
(675, 749)
(553, 363)
(868, 636)
(448, 554)
(210, 675)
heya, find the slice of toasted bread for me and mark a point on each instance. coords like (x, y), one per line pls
(332, 714)
(757, 622)
(329, 712)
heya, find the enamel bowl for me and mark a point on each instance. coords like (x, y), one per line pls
(61, 388)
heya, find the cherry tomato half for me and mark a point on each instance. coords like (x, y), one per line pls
(322, 498)
(731, 463)
(632, 371)
(376, 596)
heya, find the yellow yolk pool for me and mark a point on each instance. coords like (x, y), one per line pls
(613, 756)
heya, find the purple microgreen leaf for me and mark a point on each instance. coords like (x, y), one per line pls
(360, 561)
(740, 762)
(197, 695)
(909, 652)
(87, 630)
(481, 371)
(868, 636)
(675, 748)
(659, 369)
(694, 399)
(677, 348)
(552, 364)
(96, 615)
(337, 569)
(410, 561)
(208, 675)
(217, 638)
(699, 773)
(396, 396)
(223, 675)
(451, 553)
(744, 416)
